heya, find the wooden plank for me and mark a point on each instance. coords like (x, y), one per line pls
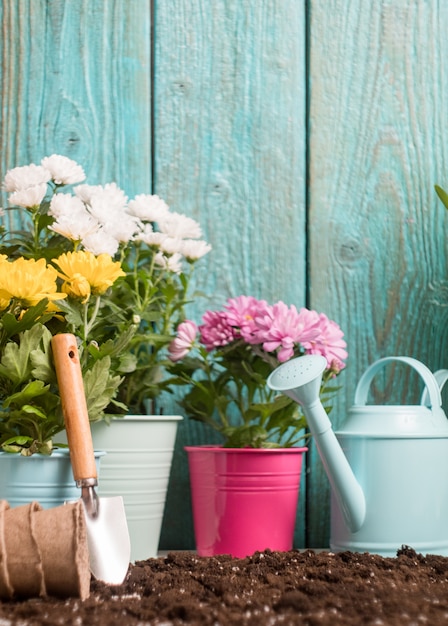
(229, 113)
(76, 81)
(378, 120)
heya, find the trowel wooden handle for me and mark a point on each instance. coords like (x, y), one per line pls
(74, 406)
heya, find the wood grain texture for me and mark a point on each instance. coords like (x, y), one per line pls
(229, 112)
(74, 406)
(378, 120)
(75, 80)
(229, 147)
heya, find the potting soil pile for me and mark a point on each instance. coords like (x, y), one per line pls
(296, 587)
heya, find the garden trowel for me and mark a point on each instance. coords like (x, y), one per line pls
(107, 529)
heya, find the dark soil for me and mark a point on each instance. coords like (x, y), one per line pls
(297, 587)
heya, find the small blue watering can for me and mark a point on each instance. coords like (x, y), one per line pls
(387, 466)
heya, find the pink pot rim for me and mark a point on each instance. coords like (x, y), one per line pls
(221, 450)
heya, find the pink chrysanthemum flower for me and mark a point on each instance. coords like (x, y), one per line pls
(216, 330)
(183, 343)
(241, 312)
(329, 343)
(282, 328)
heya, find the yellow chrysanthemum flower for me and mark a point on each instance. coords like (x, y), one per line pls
(27, 280)
(77, 286)
(4, 300)
(84, 273)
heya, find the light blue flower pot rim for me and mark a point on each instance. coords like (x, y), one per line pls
(56, 453)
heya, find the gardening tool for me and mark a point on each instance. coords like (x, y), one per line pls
(107, 531)
(387, 466)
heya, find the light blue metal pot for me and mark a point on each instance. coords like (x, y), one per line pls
(42, 478)
(388, 465)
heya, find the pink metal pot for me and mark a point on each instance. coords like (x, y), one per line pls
(244, 499)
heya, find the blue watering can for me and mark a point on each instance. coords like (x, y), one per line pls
(387, 465)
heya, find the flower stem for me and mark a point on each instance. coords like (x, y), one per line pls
(88, 324)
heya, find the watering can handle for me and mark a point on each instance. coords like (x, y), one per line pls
(441, 377)
(432, 387)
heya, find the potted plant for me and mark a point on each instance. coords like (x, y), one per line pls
(255, 474)
(112, 271)
(33, 287)
(157, 249)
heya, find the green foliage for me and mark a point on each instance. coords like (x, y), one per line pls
(100, 386)
(227, 390)
(30, 407)
(30, 411)
(154, 302)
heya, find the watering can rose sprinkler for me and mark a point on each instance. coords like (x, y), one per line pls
(387, 466)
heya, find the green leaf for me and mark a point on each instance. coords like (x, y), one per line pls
(73, 312)
(41, 359)
(19, 440)
(128, 363)
(13, 326)
(33, 410)
(99, 386)
(15, 364)
(44, 219)
(113, 348)
(442, 195)
(253, 436)
(26, 446)
(31, 391)
(11, 448)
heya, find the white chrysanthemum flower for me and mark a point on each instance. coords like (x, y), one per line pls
(66, 204)
(85, 192)
(100, 242)
(28, 198)
(178, 225)
(122, 227)
(171, 245)
(151, 238)
(76, 226)
(20, 178)
(106, 201)
(143, 228)
(172, 263)
(194, 249)
(149, 208)
(64, 171)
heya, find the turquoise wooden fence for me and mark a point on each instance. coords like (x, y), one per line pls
(304, 136)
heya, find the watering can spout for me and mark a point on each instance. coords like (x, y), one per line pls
(300, 379)
(346, 488)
